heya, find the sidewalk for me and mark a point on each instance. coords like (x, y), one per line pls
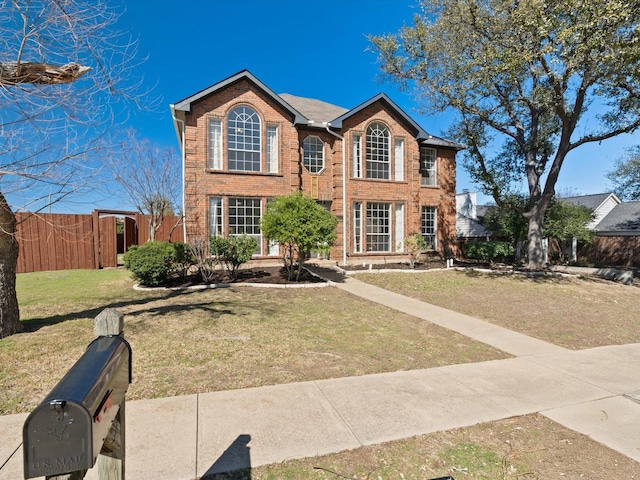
(190, 436)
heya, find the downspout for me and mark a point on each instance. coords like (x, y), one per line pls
(182, 151)
(344, 193)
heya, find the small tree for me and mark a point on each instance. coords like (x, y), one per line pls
(415, 244)
(149, 176)
(233, 251)
(299, 225)
(205, 264)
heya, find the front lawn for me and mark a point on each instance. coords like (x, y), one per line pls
(198, 341)
(567, 311)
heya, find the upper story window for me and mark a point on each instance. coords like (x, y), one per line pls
(356, 146)
(243, 133)
(272, 149)
(215, 144)
(428, 166)
(313, 149)
(378, 158)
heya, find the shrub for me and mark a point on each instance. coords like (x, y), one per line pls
(154, 263)
(488, 251)
(205, 264)
(233, 251)
(415, 244)
(184, 258)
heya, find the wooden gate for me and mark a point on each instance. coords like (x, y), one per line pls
(52, 241)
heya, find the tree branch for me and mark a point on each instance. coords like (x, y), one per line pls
(16, 73)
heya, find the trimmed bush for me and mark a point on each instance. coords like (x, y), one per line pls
(488, 251)
(154, 263)
(233, 251)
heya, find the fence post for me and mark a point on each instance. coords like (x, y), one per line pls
(111, 459)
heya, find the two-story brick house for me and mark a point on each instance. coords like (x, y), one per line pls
(373, 167)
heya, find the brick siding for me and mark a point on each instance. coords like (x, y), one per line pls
(203, 183)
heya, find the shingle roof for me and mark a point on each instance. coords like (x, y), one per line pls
(624, 217)
(315, 110)
(590, 201)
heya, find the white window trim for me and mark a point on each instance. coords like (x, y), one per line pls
(357, 224)
(273, 146)
(399, 160)
(220, 202)
(389, 208)
(399, 227)
(304, 152)
(215, 144)
(388, 152)
(434, 245)
(434, 169)
(260, 142)
(356, 147)
(260, 235)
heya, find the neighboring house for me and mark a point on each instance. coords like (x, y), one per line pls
(468, 218)
(617, 238)
(600, 203)
(616, 227)
(372, 166)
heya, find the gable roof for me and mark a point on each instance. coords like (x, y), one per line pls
(185, 104)
(591, 201)
(419, 133)
(307, 111)
(624, 217)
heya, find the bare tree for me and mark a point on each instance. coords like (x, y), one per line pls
(65, 79)
(149, 176)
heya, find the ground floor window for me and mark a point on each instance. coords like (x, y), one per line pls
(429, 226)
(378, 227)
(215, 216)
(240, 216)
(244, 219)
(357, 227)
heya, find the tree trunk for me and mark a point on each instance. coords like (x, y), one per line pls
(9, 311)
(535, 250)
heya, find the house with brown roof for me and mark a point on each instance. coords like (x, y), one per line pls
(372, 166)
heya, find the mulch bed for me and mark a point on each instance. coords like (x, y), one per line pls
(266, 275)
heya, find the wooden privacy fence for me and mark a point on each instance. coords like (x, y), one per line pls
(52, 241)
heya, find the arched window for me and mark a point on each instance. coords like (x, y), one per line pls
(244, 139)
(313, 154)
(378, 158)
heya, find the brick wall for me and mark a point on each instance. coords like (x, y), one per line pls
(202, 182)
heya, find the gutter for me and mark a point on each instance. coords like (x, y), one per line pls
(181, 137)
(344, 193)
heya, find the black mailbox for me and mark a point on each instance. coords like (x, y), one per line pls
(65, 433)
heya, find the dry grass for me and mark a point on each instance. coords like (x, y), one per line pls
(567, 311)
(530, 447)
(199, 341)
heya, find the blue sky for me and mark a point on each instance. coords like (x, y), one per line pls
(308, 48)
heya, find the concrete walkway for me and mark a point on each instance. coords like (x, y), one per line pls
(590, 391)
